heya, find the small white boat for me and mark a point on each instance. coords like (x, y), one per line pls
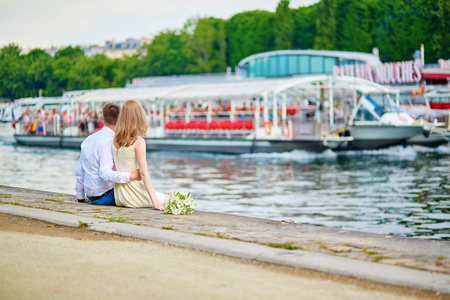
(377, 122)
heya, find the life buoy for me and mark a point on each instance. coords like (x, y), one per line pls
(267, 127)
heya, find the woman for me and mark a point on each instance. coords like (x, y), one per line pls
(129, 150)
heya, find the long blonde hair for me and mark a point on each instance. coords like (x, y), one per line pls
(131, 123)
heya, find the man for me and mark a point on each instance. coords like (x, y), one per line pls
(96, 173)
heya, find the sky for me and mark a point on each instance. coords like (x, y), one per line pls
(46, 23)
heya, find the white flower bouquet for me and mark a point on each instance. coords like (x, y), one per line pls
(180, 203)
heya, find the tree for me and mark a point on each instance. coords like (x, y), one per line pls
(305, 26)
(326, 25)
(102, 71)
(354, 25)
(284, 26)
(209, 45)
(124, 70)
(165, 55)
(39, 72)
(249, 33)
(13, 73)
(404, 26)
(442, 35)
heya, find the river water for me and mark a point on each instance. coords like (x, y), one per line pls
(399, 191)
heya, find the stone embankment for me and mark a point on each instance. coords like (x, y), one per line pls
(412, 262)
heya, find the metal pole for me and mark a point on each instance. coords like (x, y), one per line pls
(331, 109)
(266, 108)
(161, 113)
(233, 110)
(257, 112)
(188, 112)
(208, 116)
(275, 112)
(283, 112)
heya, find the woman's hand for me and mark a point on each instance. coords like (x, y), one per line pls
(158, 206)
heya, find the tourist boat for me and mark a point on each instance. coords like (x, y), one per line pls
(377, 122)
(311, 113)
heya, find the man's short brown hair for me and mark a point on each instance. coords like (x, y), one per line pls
(111, 113)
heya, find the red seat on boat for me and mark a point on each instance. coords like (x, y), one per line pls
(435, 105)
(180, 125)
(292, 110)
(213, 125)
(191, 125)
(170, 125)
(225, 125)
(202, 125)
(237, 125)
(248, 125)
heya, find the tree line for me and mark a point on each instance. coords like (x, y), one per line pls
(208, 45)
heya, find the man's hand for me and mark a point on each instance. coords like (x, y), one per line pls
(135, 175)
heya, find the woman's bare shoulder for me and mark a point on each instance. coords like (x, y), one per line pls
(139, 142)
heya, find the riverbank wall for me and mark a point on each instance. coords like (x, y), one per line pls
(410, 262)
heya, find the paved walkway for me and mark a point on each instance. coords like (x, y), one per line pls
(401, 261)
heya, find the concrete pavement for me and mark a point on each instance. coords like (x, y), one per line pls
(415, 263)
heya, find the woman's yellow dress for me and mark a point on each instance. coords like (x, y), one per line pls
(133, 193)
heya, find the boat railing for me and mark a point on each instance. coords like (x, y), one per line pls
(214, 128)
(55, 127)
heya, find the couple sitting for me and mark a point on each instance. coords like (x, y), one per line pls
(106, 173)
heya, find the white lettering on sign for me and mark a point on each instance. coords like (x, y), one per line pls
(444, 64)
(386, 73)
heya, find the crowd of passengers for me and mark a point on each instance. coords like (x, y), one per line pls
(41, 121)
(223, 111)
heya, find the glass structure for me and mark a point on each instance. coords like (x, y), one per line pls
(283, 63)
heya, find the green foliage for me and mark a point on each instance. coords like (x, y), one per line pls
(404, 26)
(13, 73)
(290, 246)
(119, 219)
(305, 21)
(284, 26)
(442, 34)
(82, 224)
(165, 55)
(249, 33)
(207, 46)
(326, 25)
(354, 24)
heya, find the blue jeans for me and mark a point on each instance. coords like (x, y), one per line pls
(106, 199)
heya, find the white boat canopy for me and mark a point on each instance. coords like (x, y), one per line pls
(242, 90)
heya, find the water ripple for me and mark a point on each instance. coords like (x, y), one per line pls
(401, 191)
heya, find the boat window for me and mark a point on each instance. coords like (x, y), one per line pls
(377, 105)
(364, 114)
(383, 104)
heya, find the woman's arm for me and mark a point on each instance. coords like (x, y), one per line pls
(140, 149)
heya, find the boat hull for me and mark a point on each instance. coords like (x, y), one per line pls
(433, 140)
(49, 141)
(372, 137)
(232, 146)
